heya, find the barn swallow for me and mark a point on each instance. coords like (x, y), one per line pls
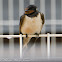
(31, 22)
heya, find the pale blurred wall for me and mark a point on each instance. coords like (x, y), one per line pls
(11, 10)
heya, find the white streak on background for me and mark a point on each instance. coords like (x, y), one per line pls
(1, 28)
(61, 26)
(11, 28)
(16, 22)
(42, 6)
(61, 15)
(61, 19)
(53, 27)
(21, 7)
(1, 10)
(43, 41)
(31, 2)
(21, 12)
(42, 10)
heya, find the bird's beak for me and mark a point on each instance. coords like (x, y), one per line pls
(26, 9)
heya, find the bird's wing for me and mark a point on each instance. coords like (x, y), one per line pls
(21, 22)
(43, 21)
(42, 17)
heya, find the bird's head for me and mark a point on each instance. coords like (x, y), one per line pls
(30, 9)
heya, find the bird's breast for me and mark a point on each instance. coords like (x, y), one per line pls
(31, 25)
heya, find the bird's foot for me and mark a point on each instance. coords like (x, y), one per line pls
(21, 33)
(26, 35)
(37, 34)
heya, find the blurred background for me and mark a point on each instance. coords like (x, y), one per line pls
(10, 12)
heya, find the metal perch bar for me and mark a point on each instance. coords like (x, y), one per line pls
(48, 45)
(40, 35)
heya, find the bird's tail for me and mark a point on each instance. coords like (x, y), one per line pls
(26, 41)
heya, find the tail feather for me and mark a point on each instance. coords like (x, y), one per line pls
(26, 41)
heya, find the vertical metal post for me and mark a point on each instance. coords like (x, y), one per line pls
(20, 45)
(48, 45)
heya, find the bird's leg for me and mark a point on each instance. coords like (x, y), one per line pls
(26, 35)
(21, 33)
(37, 34)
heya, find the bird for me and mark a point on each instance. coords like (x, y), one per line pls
(31, 22)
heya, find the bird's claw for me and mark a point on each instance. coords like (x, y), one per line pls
(37, 34)
(21, 33)
(26, 35)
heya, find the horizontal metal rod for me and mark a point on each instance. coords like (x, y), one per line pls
(44, 35)
(40, 35)
(5, 36)
(55, 35)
